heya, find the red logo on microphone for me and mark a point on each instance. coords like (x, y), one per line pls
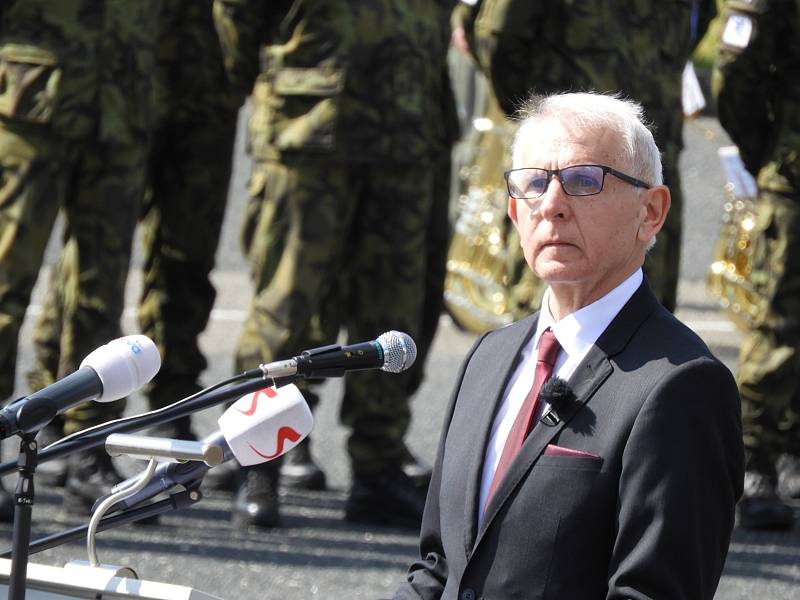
(284, 433)
(269, 392)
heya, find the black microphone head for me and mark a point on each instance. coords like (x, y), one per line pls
(557, 393)
(399, 351)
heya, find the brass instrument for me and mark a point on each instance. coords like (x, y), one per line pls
(728, 278)
(487, 284)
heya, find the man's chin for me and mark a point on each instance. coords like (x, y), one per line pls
(556, 272)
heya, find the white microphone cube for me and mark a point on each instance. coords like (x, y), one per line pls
(266, 424)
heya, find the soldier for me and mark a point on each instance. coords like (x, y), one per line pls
(345, 127)
(636, 48)
(758, 102)
(75, 117)
(189, 171)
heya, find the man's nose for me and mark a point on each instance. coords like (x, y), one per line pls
(554, 203)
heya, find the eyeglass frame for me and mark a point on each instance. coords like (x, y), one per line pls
(557, 172)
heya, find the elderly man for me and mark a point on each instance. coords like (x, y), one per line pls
(620, 479)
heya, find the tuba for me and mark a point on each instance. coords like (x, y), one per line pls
(487, 284)
(728, 277)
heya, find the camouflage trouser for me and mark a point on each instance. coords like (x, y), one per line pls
(437, 242)
(190, 166)
(309, 227)
(769, 361)
(190, 171)
(99, 187)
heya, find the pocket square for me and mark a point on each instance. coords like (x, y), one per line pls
(553, 450)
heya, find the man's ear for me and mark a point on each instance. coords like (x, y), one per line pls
(655, 207)
(512, 210)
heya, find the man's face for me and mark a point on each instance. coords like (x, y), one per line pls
(588, 243)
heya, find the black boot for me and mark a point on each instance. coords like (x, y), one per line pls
(788, 467)
(416, 471)
(386, 498)
(257, 500)
(760, 507)
(90, 475)
(299, 469)
(226, 477)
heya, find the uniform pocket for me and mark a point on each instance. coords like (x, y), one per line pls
(29, 82)
(296, 109)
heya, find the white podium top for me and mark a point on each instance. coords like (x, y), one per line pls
(57, 583)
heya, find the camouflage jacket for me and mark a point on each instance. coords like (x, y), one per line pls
(637, 47)
(351, 80)
(757, 88)
(83, 67)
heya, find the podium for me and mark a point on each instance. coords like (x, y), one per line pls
(78, 581)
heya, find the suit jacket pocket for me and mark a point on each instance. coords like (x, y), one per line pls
(586, 463)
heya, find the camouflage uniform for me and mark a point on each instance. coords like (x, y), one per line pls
(189, 171)
(637, 48)
(346, 114)
(76, 106)
(758, 96)
(438, 235)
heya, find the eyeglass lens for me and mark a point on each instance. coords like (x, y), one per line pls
(578, 180)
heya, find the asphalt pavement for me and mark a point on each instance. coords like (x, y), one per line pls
(316, 554)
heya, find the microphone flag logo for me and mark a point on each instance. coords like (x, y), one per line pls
(266, 424)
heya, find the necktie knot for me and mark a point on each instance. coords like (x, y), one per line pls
(548, 348)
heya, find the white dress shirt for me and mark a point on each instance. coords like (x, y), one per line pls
(576, 333)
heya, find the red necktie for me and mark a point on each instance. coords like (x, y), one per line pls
(548, 352)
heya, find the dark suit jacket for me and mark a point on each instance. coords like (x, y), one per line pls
(648, 516)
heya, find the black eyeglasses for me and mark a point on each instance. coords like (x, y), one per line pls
(577, 180)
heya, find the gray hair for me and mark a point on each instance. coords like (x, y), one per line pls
(591, 110)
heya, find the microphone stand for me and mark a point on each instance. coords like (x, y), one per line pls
(23, 509)
(29, 458)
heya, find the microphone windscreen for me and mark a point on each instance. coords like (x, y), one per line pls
(266, 424)
(124, 365)
(557, 393)
(399, 351)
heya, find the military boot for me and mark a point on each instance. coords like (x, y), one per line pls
(788, 467)
(299, 469)
(386, 498)
(90, 475)
(416, 471)
(760, 506)
(257, 502)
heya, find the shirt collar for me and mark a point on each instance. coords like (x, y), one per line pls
(578, 331)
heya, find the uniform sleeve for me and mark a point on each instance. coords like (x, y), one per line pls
(743, 81)
(682, 474)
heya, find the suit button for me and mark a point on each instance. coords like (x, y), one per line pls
(468, 594)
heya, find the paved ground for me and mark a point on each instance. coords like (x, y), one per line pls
(315, 553)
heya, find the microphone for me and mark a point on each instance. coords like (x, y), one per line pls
(393, 351)
(559, 397)
(259, 427)
(108, 373)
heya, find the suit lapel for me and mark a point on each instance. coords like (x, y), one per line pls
(504, 350)
(585, 381)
